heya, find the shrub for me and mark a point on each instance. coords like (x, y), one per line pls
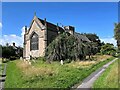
(108, 49)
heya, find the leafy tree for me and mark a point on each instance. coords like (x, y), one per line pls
(10, 52)
(95, 41)
(117, 34)
(108, 49)
(67, 46)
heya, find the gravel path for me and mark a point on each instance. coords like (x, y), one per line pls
(88, 82)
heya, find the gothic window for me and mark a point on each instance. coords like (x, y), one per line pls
(34, 42)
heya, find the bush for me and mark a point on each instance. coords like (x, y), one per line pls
(108, 49)
(11, 53)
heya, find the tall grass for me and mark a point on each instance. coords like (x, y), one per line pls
(41, 75)
(109, 79)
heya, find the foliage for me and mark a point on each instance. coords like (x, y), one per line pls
(10, 52)
(67, 46)
(108, 49)
(95, 41)
(117, 34)
(91, 48)
(109, 79)
(70, 47)
(19, 51)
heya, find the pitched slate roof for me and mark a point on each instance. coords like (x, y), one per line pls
(52, 26)
(82, 37)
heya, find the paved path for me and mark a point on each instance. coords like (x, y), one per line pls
(2, 77)
(88, 82)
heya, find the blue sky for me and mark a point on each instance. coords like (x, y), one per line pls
(88, 17)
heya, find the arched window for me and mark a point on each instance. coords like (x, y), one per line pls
(34, 41)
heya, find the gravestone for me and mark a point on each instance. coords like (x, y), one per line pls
(61, 62)
(29, 63)
(21, 58)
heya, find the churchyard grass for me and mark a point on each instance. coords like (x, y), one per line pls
(40, 74)
(109, 79)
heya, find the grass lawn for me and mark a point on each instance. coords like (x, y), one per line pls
(109, 79)
(40, 74)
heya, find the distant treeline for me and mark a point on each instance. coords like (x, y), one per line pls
(10, 52)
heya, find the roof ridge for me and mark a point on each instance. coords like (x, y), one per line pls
(48, 22)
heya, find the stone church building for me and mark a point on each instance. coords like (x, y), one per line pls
(40, 34)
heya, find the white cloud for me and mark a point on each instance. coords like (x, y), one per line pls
(109, 40)
(23, 31)
(10, 39)
(0, 25)
(13, 38)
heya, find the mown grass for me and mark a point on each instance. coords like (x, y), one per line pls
(109, 79)
(43, 75)
(13, 75)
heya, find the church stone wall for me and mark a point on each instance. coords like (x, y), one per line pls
(45, 37)
(35, 53)
(27, 49)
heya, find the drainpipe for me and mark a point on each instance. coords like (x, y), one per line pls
(45, 39)
(24, 50)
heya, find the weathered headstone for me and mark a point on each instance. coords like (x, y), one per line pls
(29, 63)
(61, 62)
(21, 58)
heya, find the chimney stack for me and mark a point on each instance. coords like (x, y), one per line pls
(45, 32)
(58, 28)
(25, 29)
(45, 22)
(14, 44)
(34, 13)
